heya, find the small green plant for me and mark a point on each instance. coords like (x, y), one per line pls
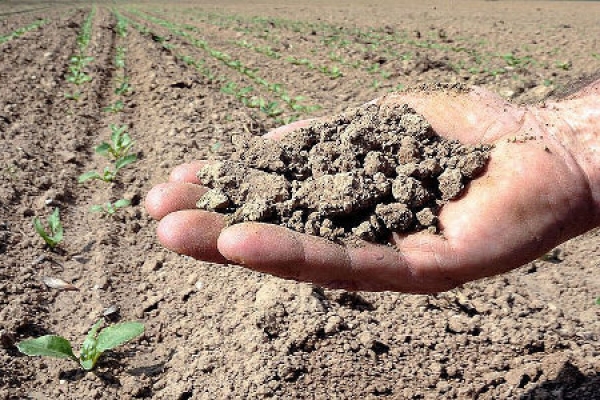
(120, 57)
(108, 174)
(565, 65)
(123, 88)
(77, 64)
(115, 108)
(121, 27)
(120, 143)
(109, 208)
(55, 234)
(73, 96)
(93, 346)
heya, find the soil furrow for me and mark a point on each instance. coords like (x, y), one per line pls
(220, 74)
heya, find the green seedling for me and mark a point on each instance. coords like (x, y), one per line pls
(109, 208)
(93, 346)
(121, 27)
(123, 89)
(21, 31)
(55, 234)
(78, 77)
(115, 108)
(566, 65)
(120, 57)
(108, 174)
(73, 96)
(120, 143)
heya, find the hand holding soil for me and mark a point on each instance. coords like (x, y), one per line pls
(537, 191)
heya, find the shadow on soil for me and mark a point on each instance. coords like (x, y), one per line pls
(570, 384)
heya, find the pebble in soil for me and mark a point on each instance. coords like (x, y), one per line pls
(358, 175)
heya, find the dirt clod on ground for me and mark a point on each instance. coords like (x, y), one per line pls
(359, 175)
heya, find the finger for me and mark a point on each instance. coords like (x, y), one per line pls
(278, 133)
(169, 197)
(193, 233)
(288, 254)
(187, 172)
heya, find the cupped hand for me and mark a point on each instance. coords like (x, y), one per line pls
(531, 197)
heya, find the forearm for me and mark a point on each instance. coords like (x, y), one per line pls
(575, 124)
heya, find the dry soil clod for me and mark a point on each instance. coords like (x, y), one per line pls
(362, 174)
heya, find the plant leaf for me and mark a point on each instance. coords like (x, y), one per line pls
(49, 345)
(116, 335)
(39, 228)
(55, 226)
(96, 208)
(122, 203)
(123, 161)
(89, 353)
(88, 175)
(103, 148)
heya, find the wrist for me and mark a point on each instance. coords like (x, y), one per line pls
(575, 124)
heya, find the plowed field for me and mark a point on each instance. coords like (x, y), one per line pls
(181, 80)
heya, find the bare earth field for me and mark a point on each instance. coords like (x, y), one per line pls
(182, 80)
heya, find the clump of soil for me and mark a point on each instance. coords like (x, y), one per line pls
(361, 174)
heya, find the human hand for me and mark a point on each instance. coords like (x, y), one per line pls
(532, 197)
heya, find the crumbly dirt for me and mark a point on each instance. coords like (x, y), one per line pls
(223, 332)
(363, 174)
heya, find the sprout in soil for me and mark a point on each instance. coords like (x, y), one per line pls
(109, 208)
(93, 346)
(55, 234)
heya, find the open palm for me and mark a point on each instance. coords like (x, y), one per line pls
(531, 197)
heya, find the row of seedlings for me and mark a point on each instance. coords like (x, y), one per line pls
(77, 73)
(245, 93)
(23, 30)
(118, 149)
(98, 340)
(270, 108)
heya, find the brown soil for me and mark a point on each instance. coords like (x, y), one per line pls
(362, 174)
(217, 331)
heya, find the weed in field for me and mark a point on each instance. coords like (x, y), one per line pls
(109, 208)
(54, 235)
(93, 346)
